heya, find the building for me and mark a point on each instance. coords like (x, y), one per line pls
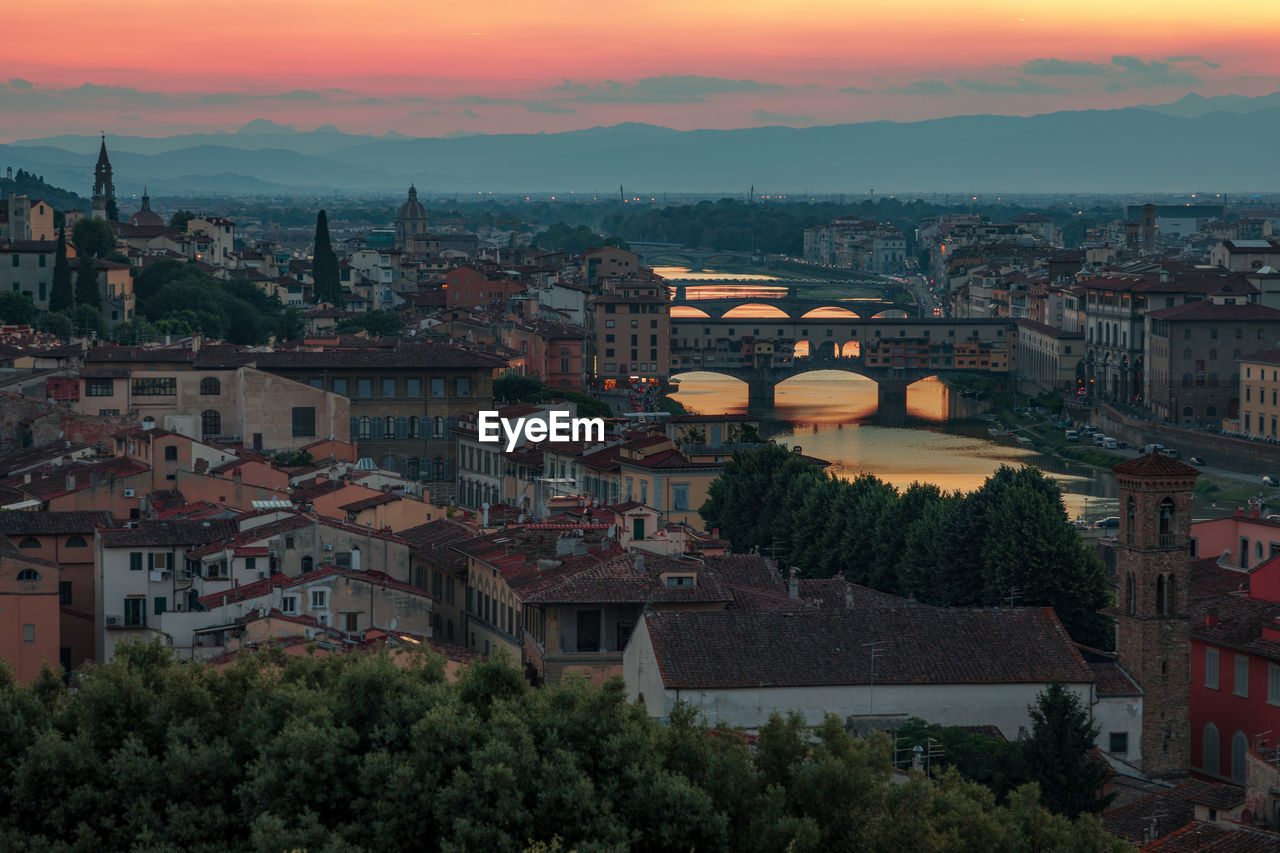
(1152, 604)
(1259, 389)
(411, 224)
(104, 189)
(26, 266)
(24, 218)
(632, 334)
(1174, 220)
(890, 658)
(1246, 255)
(1047, 356)
(30, 633)
(1192, 357)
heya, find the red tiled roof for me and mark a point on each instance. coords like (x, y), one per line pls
(1114, 681)
(922, 645)
(1155, 465)
(1205, 310)
(178, 532)
(369, 502)
(83, 522)
(1197, 837)
(1163, 811)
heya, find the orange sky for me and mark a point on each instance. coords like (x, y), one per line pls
(424, 60)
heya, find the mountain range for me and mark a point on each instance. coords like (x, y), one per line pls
(1224, 143)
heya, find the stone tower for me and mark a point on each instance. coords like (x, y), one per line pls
(104, 190)
(1153, 575)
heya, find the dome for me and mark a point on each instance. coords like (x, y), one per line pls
(146, 216)
(412, 209)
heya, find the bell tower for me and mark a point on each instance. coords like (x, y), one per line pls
(1153, 575)
(104, 191)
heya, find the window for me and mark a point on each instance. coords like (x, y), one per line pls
(588, 630)
(289, 604)
(28, 575)
(340, 387)
(388, 387)
(1209, 749)
(1119, 743)
(1242, 676)
(437, 387)
(353, 622)
(135, 561)
(1211, 668)
(64, 593)
(171, 453)
(1239, 748)
(1273, 683)
(364, 388)
(151, 386)
(319, 599)
(413, 430)
(364, 430)
(160, 603)
(77, 542)
(679, 496)
(99, 387)
(29, 542)
(28, 633)
(464, 387)
(210, 387)
(304, 421)
(210, 422)
(135, 614)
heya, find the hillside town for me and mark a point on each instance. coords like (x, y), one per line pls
(309, 473)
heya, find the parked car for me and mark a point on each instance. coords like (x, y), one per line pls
(1098, 439)
(1196, 460)
(1170, 452)
(1071, 435)
(1109, 523)
(1110, 443)
(1270, 480)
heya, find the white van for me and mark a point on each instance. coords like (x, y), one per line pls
(1071, 435)
(1098, 439)
(1109, 443)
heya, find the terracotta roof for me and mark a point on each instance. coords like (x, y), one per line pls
(1205, 310)
(922, 645)
(1155, 465)
(51, 482)
(1113, 681)
(1269, 356)
(1197, 837)
(57, 523)
(1165, 811)
(32, 457)
(405, 356)
(369, 502)
(178, 533)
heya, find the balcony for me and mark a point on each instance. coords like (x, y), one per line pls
(1168, 540)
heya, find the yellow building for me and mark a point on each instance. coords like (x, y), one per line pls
(1260, 394)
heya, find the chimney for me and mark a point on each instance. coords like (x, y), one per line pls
(794, 591)
(26, 478)
(485, 506)
(71, 482)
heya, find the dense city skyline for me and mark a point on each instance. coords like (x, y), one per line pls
(515, 68)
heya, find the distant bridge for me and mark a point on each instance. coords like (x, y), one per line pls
(694, 259)
(793, 306)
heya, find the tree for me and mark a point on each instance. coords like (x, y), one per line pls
(56, 323)
(112, 211)
(87, 292)
(179, 220)
(62, 295)
(1059, 753)
(16, 309)
(87, 321)
(375, 323)
(93, 238)
(324, 265)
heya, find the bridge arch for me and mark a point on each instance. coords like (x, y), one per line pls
(755, 310)
(889, 314)
(828, 312)
(689, 312)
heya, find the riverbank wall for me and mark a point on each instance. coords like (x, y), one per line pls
(1222, 451)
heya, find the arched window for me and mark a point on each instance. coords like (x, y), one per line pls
(439, 427)
(1187, 412)
(210, 387)
(413, 428)
(1130, 519)
(1165, 517)
(389, 427)
(1239, 748)
(29, 542)
(76, 542)
(411, 467)
(1209, 749)
(1130, 593)
(364, 430)
(171, 453)
(389, 464)
(1212, 411)
(28, 575)
(210, 422)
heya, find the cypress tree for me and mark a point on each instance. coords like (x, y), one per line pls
(324, 267)
(87, 284)
(62, 296)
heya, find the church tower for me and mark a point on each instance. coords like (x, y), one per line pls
(1153, 576)
(104, 191)
(411, 223)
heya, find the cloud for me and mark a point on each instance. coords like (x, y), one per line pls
(766, 117)
(17, 83)
(1063, 67)
(471, 114)
(854, 90)
(1122, 72)
(921, 87)
(372, 100)
(485, 101)
(547, 107)
(1018, 86)
(299, 95)
(667, 89)
(1193, 59)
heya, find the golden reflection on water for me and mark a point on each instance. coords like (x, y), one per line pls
(826, 413)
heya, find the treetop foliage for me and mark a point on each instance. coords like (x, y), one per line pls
(946, 549)
(359, 753)
(517, 388)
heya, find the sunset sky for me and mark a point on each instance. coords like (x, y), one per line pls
(146, 67)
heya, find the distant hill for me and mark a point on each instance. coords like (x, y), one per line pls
(1225, 144)
(25, 183)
